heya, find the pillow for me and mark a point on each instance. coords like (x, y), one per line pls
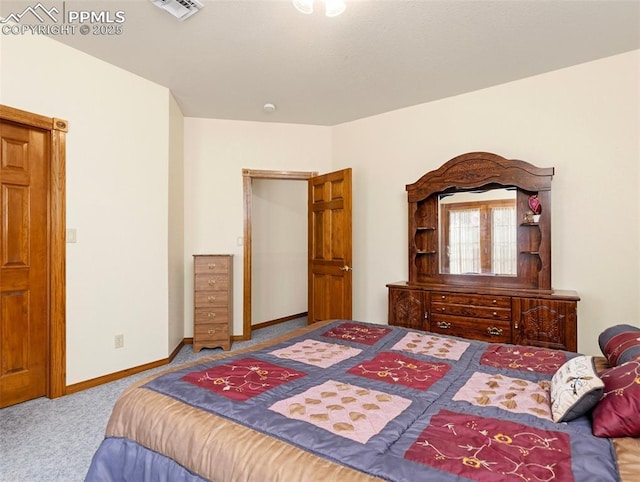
(620, 344)
(616, 414)
(575, 389)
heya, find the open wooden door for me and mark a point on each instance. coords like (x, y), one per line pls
(32, 256)
(330, 252)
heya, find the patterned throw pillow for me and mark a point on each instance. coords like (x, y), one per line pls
(575, 389)
(616, 415)
(620, 344)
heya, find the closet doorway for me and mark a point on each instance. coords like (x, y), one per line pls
(260, 188)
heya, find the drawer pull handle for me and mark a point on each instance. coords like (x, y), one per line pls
(426, 316)
(495, 313)
(443, 297)
(211, 298)
(444, 325)
(494, 331)
(211, 282)
(212, 265)
(211, 332)
(211, 314)
(495, 302)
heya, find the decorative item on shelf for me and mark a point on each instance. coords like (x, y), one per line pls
(536, 208)
(528, 217)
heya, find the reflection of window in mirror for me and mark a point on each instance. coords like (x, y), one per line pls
(478, 233)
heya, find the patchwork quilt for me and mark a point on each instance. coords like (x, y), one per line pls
(347, 400)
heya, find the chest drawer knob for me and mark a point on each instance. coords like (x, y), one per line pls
(211, 332)
(443, 297)
(494, 331)
(211, 298)
(495, 313)
(212, 266)
(211, 282)
(211, 314)
(495, 302)
(445, 325)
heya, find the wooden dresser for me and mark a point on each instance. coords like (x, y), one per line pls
(480, 256)
(498, 316)
(213, 301)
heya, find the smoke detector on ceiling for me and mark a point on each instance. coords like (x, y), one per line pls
(181, 9)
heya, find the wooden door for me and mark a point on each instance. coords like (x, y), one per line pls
(24, 299)
(330, 252)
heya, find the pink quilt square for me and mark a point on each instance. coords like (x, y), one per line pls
(432, 345)
(395, 368)
(318, 353)
(343, 409)
(507, 393)
(524, 358)
(367, 335)
(242, 379)
(487, 449)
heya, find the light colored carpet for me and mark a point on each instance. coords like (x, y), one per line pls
(54, 440)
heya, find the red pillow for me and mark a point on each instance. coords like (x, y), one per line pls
(620, 344)
(618, 411)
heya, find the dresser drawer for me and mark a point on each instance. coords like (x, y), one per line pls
(487, 312)
(211, 332)
(472, 299)
(208, 265)
(211, 282)
(211, 315)
(206, 299)
(497, 331)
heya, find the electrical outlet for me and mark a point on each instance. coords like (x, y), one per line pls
(118, 341)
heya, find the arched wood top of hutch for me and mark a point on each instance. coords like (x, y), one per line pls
(480, 169)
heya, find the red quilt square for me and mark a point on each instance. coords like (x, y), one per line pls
(524, 358)
(399, 369)
(242, 379)
(367, 335)
(487, 449)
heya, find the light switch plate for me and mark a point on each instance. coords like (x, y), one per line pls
(71, 235)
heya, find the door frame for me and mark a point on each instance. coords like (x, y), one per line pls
(56, 253)
(247, 177)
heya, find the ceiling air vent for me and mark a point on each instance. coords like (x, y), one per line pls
(181, 9)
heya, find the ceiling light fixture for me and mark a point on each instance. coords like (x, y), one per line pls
(332, 8)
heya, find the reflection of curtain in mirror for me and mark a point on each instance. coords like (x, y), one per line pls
(503, 229)
(464, 241)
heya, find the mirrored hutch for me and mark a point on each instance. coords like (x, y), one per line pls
(480, 256)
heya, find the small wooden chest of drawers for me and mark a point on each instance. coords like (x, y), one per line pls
(213, 301)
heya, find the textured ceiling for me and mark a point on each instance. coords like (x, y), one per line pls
(233, 56)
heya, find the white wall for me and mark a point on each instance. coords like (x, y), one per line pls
(582, 120)
(279, 249)
(216, 151)
(176, 225)
(124, 202)
(117, 191)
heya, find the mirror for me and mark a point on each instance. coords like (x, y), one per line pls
(433, 259)
(478, 232)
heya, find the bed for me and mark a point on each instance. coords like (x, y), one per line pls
(351, 401)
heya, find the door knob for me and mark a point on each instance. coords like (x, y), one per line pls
(346, 268)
